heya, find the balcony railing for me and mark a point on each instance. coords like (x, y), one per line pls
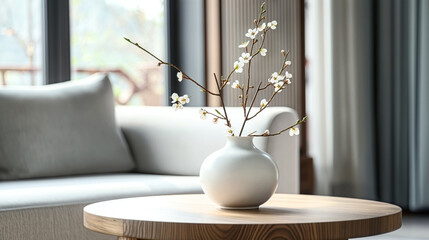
(146, 87)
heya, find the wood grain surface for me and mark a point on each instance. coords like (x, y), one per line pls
(284, 216)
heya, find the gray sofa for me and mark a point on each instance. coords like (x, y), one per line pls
(65, 146)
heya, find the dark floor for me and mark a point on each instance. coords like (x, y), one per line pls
(414, 227)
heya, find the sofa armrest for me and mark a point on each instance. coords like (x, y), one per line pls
(164, 141)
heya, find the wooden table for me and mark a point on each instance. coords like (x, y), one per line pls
(284, 216)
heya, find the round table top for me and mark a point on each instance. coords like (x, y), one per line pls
(288, 216)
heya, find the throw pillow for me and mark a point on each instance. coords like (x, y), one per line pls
(60, 129)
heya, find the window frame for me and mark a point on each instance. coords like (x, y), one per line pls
(56, 41)
(182, 48)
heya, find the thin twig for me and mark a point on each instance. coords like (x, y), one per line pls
(161, 62)
(213, 114)
(227, 79)
(262, 42)
(246, 96)
(265, 87)
(282, 131)
(268, 103)
(284, 62)
(228, 123)
(275, 92)
(251, 105)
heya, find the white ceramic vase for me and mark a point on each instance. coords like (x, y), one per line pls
(239, 176)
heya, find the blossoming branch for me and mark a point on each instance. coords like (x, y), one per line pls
(253, 47)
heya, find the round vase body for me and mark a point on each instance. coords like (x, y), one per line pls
(239, 176)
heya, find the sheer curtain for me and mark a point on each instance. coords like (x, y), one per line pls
(366, 98)
(318, 92)
(339, 102)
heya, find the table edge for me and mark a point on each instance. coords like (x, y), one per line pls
(120, 227)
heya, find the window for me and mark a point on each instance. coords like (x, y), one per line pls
(21, 42)
(97, 28)
(96, 44)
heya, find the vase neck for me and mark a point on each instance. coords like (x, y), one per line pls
(241, 142)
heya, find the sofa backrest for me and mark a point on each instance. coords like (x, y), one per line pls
(165, 141)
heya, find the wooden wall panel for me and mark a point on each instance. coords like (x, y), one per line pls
(237, 18)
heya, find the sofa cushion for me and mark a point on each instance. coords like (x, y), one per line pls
(60, 129)
(20, 194)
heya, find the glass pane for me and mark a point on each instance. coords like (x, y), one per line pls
(21, 42)
(97, 45)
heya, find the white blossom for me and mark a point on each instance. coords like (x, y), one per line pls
(287, 81)
(275, 77)
(179, 76)
(203, 114)
(235, 84)
(184, 99)
(238, 66)
(288, 63)
(177, 106)
(288, 75)
(262, 27)
(264, 103)
(251, 33)
(245, 57)
(272, 24)
(279, 86)
(178, 101)
(229, 131)
(263, 51)
(174, 97)
(243, 45)
(294, 131)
